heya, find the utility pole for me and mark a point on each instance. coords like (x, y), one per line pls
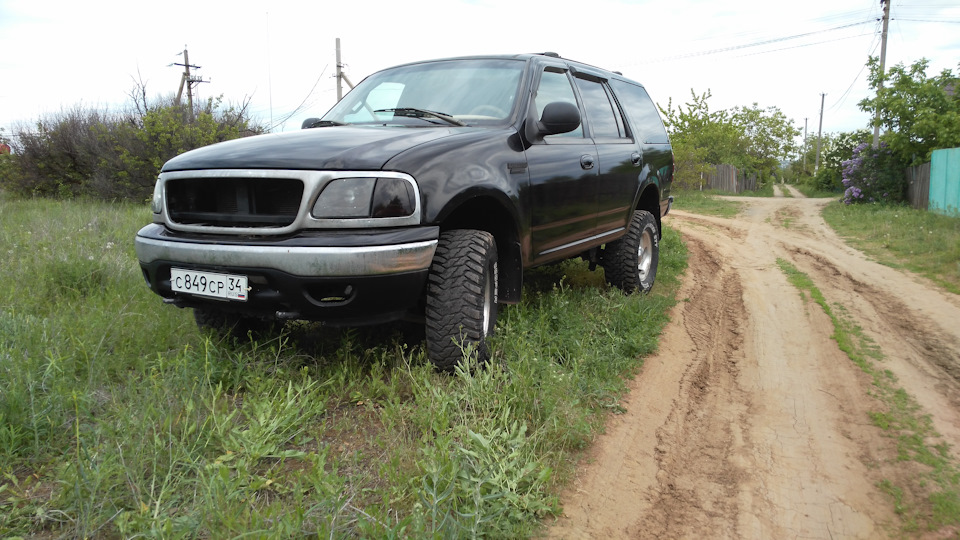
(187, 80)
(816, 168)
(883, 67)
(341, 76)
(804, 151)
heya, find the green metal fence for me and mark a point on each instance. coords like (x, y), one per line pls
(945, 182)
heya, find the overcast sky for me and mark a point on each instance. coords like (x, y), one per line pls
(56, 54)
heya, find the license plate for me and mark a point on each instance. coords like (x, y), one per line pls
(229, 286)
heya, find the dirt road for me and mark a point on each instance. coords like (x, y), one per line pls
(750, 422)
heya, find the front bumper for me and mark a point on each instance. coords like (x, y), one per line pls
(345, 277)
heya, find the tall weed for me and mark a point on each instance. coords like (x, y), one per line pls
(119, 418)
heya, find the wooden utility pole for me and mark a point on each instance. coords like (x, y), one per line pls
(816, 168)
(341, 76)
(883, 67)
(804, 151)
(187, 80)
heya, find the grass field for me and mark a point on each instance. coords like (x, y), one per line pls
(705, 202)
(902, 237)
(118, 418)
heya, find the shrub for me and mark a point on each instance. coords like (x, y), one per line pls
(873, 175)
(109, 155)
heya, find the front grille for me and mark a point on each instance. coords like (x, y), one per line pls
(234, 202)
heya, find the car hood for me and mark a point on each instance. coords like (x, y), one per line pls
(326, 148)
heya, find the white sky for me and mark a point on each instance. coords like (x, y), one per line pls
(56, 54)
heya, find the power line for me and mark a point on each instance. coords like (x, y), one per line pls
(873, 48)
(758, 43)
(898, 19)
(300, 106)
(806, 45)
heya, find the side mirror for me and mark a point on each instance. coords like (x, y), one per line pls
(309, 123)
(558, 117)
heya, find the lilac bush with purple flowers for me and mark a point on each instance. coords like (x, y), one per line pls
(873, 175)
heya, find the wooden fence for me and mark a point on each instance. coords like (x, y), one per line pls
(918, 186)
(728, 178)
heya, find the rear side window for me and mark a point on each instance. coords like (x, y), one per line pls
(641, 111)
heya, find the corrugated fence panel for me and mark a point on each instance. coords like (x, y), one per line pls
(918, 186)
(945, 182)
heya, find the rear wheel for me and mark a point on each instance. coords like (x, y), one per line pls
(630, 263)
(461, 306)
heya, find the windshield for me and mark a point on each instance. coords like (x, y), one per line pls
(449, 92)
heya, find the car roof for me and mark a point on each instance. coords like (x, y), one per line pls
(531, 57)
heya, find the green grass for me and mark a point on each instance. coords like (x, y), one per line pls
(814, 193)
(766, 190)
(930, 501)
(902, 237)
(706, 203)
(119, 419)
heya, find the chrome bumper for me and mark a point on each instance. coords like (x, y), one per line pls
(298, 261)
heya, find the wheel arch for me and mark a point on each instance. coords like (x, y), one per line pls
(649, 200)
(487, 212)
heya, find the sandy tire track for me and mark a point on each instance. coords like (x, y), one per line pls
(749, 422)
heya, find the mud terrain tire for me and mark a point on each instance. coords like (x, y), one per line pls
(630, 263)
(461, 303)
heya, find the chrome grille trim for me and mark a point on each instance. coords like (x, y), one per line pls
(313, 183)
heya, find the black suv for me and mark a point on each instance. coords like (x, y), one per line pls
(423, 194)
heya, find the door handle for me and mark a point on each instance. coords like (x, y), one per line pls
(636, 158)
(587, 161)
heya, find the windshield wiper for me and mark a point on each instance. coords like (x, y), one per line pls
(325, 123)
(414, 112)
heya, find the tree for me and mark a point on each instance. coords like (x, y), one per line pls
(835, 149)
(769, 135)
(701, 139)
(749, 138)
(920, 113)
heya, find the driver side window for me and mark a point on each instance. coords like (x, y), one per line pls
(555, 86)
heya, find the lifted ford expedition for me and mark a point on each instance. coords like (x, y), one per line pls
(423, 194)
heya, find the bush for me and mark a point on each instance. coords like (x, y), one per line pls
(105, 155)
(873, 175)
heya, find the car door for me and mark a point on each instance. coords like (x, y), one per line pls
(620, 159)
(563, 172)
(648, 130)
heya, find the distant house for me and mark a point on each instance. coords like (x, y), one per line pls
(4, 148)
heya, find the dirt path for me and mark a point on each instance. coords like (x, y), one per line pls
(750, 422)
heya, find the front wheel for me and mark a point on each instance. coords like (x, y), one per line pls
(630, 263)
(461, 306)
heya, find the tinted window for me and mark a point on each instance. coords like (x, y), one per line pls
(601, 113)
(555, 86)
(641, 111)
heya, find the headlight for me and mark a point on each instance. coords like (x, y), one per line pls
(365, 198)
(157, 204)
(345, 198)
